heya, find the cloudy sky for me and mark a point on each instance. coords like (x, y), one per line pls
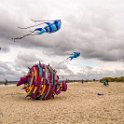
(95, 28)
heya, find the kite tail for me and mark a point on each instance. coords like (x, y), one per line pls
(16, 38)
(39, 31)
(69, 59)
(41, 20)
(31, 26)
(61, 62)
(66, 60)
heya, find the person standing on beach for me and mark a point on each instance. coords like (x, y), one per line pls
(6, 82)
(105, 82)
(82, 81)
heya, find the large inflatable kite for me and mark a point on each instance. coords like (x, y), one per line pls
(51, 27)
(42, 82)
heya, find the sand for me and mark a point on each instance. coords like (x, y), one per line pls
(79, 105)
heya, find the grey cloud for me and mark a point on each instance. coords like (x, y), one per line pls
(4, 66)
(62, 69)
(26, 60)
(94, 74)
(4, 49)
(95, 34)
(8, 72)
(95, 30)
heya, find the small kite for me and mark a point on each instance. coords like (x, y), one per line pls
(71, 57)
(74, 55)
(51, 27)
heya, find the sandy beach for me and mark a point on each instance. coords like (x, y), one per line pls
(80, 104)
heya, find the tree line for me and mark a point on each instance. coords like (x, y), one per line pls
(113, 79)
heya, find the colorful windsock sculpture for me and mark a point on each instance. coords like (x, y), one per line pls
(42, 82)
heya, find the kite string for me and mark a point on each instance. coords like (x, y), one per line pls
(31, 33)
(64, 61)
(31, 26)
(40, 20)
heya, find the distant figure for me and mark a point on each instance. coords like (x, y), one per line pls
(6, 82)
(82, 81)
(105, 82)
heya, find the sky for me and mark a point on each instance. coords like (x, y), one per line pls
(95, 28)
